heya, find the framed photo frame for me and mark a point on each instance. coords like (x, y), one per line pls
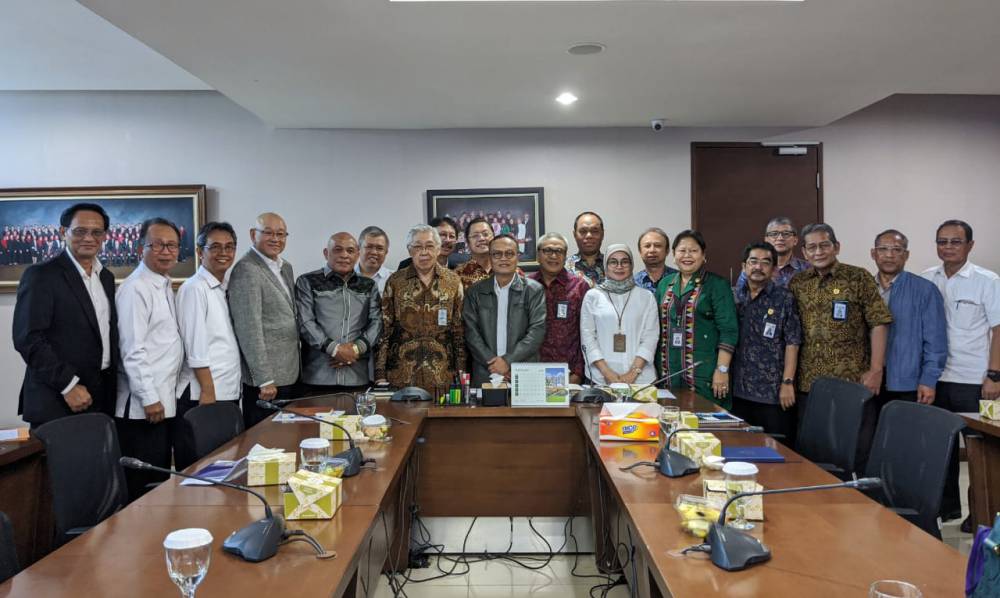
(519, 211)
(29, 225)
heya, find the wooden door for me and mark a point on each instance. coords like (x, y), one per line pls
(736, 188)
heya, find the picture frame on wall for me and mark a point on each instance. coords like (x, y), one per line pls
(29, 225)
(519, 211)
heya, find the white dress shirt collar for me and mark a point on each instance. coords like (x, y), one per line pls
(95, 268)
(211, 280)
(273, 264)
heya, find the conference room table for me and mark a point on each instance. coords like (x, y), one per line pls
(502, 461)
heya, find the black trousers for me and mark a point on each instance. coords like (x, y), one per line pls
(155, 444)
(772, 418)
(958, 398)
(252, 414)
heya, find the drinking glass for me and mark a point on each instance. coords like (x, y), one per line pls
(740, 477)
(670, 415)
(312, 451)
(890, 588)
(365, 404)
(188, 554)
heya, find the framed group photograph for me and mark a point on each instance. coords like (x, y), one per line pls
(517, 211)
(29, 225)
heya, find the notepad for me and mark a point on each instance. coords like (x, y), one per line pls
(752, 454)
(219, 471)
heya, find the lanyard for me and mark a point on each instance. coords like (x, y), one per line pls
(621, 314)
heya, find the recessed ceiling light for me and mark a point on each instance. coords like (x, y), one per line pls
(585, 48)
(566, 98)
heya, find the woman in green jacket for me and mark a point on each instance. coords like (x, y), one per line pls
(697, 322)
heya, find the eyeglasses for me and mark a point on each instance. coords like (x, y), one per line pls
(159, 247)
(950, 242)
(274, 234)
(422, 248)
(890, 250)
(449, 236)
(500, 255)
(822, 246)
(622, 263)
(552, 251)
(686, 251)
(83, 233)
(759, 262)
(782, 234)
(375, 248)
(220, 248)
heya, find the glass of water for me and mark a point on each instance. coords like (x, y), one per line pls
(365, 404)
(889, 588)
(188, 554)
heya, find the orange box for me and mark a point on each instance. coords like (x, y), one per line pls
(630, 421)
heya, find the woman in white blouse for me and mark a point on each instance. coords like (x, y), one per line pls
(619, 325)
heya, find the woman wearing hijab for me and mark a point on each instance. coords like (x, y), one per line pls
(619, 325)
(699, 325)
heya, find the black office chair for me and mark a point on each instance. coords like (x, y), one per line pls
(830, 429)
(88, 483)
(8, 550)
(207, 427)
(911, 453)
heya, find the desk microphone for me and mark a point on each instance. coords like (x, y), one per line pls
(674, 465)
(256, 542)
(733, 550)
(355, 459)
(667, 377)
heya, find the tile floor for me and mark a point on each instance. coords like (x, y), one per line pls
(499, 579)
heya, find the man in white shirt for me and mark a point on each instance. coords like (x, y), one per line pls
(203, 317)
(972, 306)
(151, 380)
(374, 249)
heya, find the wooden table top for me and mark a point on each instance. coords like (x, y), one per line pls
(829, 543)
(11, 452)
(980, 424)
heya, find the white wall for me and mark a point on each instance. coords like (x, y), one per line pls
(907, 162)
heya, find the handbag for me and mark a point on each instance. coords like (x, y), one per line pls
(982, 576)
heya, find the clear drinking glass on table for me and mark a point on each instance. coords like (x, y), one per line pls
(740, 477)
(188, 553)
(312, 451)
(365, 403)
(889, 588)
(670, 417)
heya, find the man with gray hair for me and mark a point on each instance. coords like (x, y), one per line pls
(780, 232)
(340, 318)
(264, 318)
(564, 291)
(374, 247)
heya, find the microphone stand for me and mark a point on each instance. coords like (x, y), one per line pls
(734, 550)
(665, 378)
(355, 459)
(673, 464)
(255, 542)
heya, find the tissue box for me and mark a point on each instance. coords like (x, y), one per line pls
(715, 490)
(697, 445)
(351, 422)
(646, 395)
(270, 468)
(989, 409)
(688, 419)
(630, 421)
(312, 496)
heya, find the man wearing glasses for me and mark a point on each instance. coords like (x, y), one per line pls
(206, 327)
(153, 383)
(504, 315)
(478, 235)
(780, 233)
(564, 291)
(371, 258)
(264, 318)
(972, 304)
(917, 345)
(65, 324)
(844, 322)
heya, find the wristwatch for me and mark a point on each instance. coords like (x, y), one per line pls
(636, 371)
(993, 375)
(788, 381)
(723, 368)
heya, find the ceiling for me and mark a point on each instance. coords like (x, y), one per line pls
(381, 64)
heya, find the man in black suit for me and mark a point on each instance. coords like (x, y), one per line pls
(65, 325)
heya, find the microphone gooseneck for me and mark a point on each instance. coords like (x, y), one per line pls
(354, 457)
